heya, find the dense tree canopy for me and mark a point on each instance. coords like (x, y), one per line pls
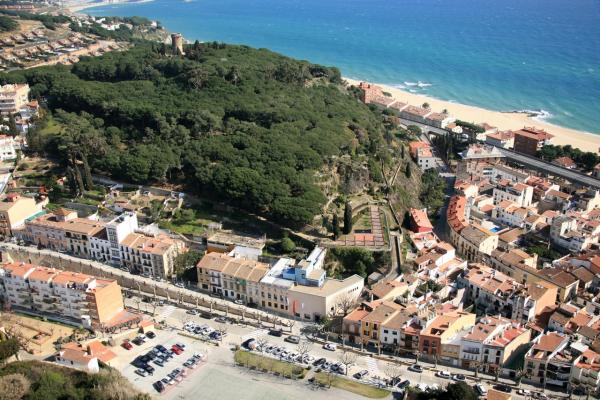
(7, 24)
(248, 126)
(584, 159)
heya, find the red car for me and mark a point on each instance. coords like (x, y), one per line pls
(176, 350)
(127, 345)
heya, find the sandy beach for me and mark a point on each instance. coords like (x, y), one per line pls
(504, 121)
(78, 6)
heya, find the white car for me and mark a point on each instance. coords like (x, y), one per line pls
(524, 392)
(330, 346)
(142, 372)
(443, 374)
(480, 389)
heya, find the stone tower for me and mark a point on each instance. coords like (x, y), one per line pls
(177, 44)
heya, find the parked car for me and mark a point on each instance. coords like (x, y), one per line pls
(443, 374)
(161, 348)
(459, 378)
(176, 350)
(239, 302)
(524, 392)
(159, 362)
(221, 320)
(403, 385)
(137, 341)
(151, 335)
(361, 374)
(330, 346)
(416, 368)
(276, 332)
(293, 339)
(480, 389)
(503, 388)
(159, 386)
(319, 362)
(167, 380)
(149, 369)
(142, 372)
(127, 345)
(192, 312)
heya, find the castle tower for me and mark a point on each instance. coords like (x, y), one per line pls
(177, 43)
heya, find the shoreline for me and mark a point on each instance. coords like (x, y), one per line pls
(80, 6)
(503, 120)
(585, 141)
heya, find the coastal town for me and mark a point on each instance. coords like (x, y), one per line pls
(493, 292)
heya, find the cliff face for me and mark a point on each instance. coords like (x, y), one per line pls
(354, 177)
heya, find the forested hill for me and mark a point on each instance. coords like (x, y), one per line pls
(248, 126)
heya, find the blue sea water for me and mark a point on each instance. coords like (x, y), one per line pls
(497, 54)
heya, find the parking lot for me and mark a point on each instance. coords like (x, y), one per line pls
(157, 368)
(219, 365)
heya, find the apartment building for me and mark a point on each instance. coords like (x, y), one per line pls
(492, 343)
(441, 331)
(574, 233)
(475, 243)
(503, 139)
(14, 211)
(586, 368)
(232, 277)
(150, 255)
(508, 213)
(62, 231)
(549, 360)
(519, 193)
(105, 245)
(76, 298)
(13, 97)
(364, 324)
(530, 140)
(438, 263)
(7, 148)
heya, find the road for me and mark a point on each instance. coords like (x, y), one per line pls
(551, 169)
(237, 333)
(174, 313)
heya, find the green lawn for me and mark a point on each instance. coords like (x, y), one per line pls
(351, 386)
(265, 363)
(191, 228)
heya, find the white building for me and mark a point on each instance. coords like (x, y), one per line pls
(518, 193)
(7, 148)
(13, 97)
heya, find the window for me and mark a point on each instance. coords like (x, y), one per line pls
(385, 331)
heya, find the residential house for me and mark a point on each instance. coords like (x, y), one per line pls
(503, 139)
(14, 211)
(530, 140)
(549, 360)
(13, 97)
(441, 330)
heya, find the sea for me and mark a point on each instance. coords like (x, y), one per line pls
(506, 55)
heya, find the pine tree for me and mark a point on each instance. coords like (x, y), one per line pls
(335, 223)
(87, 174)
(12, 126)
(347, 218)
